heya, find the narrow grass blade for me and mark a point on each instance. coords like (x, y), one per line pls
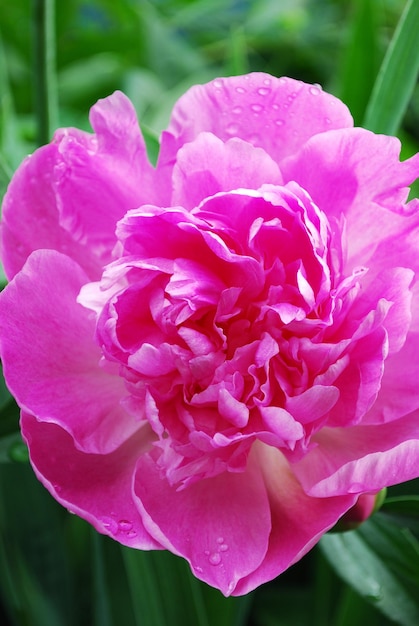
(45, 89)
(397, 76)
(361, 58)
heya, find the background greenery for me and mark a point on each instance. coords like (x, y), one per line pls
(56, 571)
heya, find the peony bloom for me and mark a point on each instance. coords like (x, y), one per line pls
(216, 356)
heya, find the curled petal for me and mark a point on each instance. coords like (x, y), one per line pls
(69, 194)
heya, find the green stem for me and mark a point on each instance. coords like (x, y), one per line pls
(45, 91)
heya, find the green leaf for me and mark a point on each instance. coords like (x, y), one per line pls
(360, 64)
(152, 143)
(164, 593)
(397, 76)
(37, 585)
(101, 604)
(380, 560)
(13, 449)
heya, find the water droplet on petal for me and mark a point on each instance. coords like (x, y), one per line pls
(217, 84)
(232, 129)
(314, 91)
(110, 524)
(214, 558)
(220, 540)
(124, 525)
(253, 139)
(237, 110)
(279, 122)
(282, 80)
(131, 534)
(223, 547)
(264, 91)
(256, 108)
(267, 81)
(327, 121)
(275, 106)
(240, 90)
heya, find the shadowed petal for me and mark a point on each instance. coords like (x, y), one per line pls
(95, 486)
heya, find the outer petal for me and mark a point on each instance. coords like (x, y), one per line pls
(69, 194)
(298, 520)
(50, 360)
(220, 525)
(276, 114)
(399, 386)
(207, 166)
(362, 458)
(357, 173)
(94, 486)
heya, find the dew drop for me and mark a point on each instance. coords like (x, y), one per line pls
(264, 91)
(279, 122)
(267, 81)
(110, 524)
(217, 84)
(314, 91)
(223, 547)
(214, 558)
(253, 139)
(237, 110)
(206, 552)
(256, 108)
(327, 121)
(131, 534)
(232, 129)
(124, 525)
(275, 106)
(240, 90)
(220, 540)
(282, 80)
(199, 569)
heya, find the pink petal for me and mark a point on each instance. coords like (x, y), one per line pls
(399, 386)
(357, 173)
(298, 520)
(51, 363)
(220, 525)
(207, 166)
(95, 486)
(69, 194)
(276, 114)
(361, 459)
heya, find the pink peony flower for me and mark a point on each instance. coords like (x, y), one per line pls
(216, 356)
